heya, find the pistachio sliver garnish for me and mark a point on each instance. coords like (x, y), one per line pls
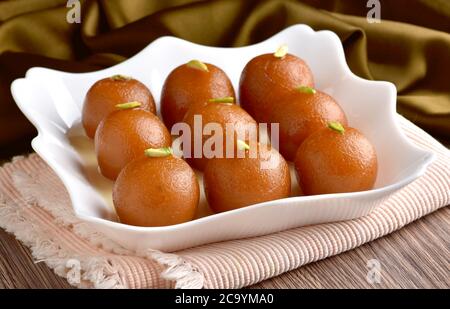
(197, 64)
(226, 100)
(128, 105)
(306, 89)
(242, 145)
(281, 51)
(158, 152)
(120, 77)
(336, 126)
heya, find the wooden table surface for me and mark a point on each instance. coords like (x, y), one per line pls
(416, 256)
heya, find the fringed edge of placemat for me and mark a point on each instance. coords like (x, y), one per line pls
(97, 271)
(81, 272)
(178, 270)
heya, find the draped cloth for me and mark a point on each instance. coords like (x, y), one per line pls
(409, 47)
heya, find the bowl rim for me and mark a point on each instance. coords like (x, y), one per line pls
(426, 157)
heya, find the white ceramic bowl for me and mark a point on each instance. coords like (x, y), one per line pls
(52, 101)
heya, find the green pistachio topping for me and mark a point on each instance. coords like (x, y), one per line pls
(336, 126)
(158, 152)
(226, 100)
(242, 145)
(281, 51)
(197, 64)
(120, 77)
(128, 105)
(306, 89)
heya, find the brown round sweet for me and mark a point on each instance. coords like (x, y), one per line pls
(243, 127)
(187, 85)
(300, 115)
(124, 135)
(330, 161)
(106, 93)
(266, 79)
(232, 183)
(156, 192)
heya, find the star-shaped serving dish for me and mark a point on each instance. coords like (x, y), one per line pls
(52, 101)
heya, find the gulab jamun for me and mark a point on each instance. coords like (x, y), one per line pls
(336, 159)
(124, 134)
(231, 120)
(106, 93)
(301, 114)
(259, 176)
(191, 83)
(156, 190)
(269, 77)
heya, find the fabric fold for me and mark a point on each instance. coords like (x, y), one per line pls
(409, 47)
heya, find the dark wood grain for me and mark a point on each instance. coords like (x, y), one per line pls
(18, 270)
(417, 256)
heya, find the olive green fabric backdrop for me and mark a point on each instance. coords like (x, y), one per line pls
(410, 47)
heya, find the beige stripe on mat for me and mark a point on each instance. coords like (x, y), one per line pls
(35, 207)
